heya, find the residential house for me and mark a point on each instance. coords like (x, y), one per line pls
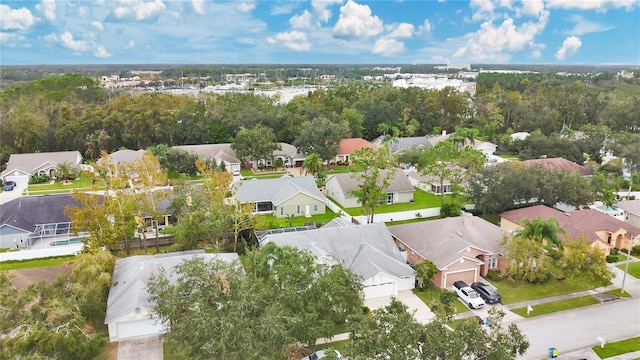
(120, 159)
(429, 183)
(216, 152)
(283, 196)
(463, 248)
(399, 144)
(558, 164)
(129, 309)
(631, 210)
(288, 154)
(21, 167)
(25, 220)
(349, 146)
(487, 148)
(597, 228)
(339, 187)
(368, 250)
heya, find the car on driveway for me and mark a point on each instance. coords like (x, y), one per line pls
(9, 185)
(321, 354)
(487, 292)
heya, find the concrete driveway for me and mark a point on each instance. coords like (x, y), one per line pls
(421, 311)
(7, 196)
(147, 347)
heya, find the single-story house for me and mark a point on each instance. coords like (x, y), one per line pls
(484, 147)
(25, 220)
(119, 159)
(599, 229)
(349, 146)
(463, 248)
(339, 187)
(631, 210)
(399, 144)
(288, 153)
(129, 310)
(21, 167)
(283, 196)
(217, 152)
(429, 183)
(558, 164)
(368, 250)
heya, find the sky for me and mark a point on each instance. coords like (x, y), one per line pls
(320, 32)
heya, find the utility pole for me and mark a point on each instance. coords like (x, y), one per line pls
(626, 266)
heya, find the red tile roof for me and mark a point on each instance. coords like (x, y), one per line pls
(349, 146)
(559, 163)
(586, 222)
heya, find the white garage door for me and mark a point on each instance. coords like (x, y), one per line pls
(134, 328)
(467, 276)
(380, 290)
(19, 179)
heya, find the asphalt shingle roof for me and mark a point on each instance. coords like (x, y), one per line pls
(278, 190)
(27, 212)
(556, 164)
(28, 163)
(397, 183)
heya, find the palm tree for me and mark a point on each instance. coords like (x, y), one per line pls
(542, 231)
(64, 170)
(313, 165)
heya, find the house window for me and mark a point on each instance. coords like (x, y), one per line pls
(493, 263)
(401, 247)
(298, 209)
(315, 207)
(281, 211)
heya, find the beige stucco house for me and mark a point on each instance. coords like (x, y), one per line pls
(599, 229)
(339, 187)
(631, 210)
(463, 248)
(285, 196)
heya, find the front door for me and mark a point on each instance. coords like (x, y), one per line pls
(389, 198)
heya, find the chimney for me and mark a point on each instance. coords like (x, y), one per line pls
(468, 219)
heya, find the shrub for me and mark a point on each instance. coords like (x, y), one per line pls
(614, 251)
(493, 275)
(450, 210)
(626, 251)
(612, 258)
(635, 250)
(39, 179)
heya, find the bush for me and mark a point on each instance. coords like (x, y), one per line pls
(450, 210)
(493, 275)
(626, 251)
(39, 179)
(614, 251)
(635, 250)
(612, 258)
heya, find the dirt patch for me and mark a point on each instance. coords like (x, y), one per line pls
(25, 277)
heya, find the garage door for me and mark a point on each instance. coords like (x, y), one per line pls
(467, 276)
(379, 290)
(134, 328)
(19, 179)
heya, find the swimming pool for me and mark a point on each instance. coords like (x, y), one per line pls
(75, 240)
(605, 209)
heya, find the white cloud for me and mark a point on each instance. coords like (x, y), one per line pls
(531, 8)
(569, 47)
(490, 41)
(198, 6)
(139, 10)
(51, 37)
(425, 28)
(48, 9)
(294, 40)
(18, 19)
(246, 7)
(482, 9)
(356, 22)
(97, 25)
(402, 30)
(598, 5)
(302, 21)
(12, 40)
(388, 47)
(584, 26)
(283, 8)
(320, 8)
(101, 52)
(130, 45)
(67, 40)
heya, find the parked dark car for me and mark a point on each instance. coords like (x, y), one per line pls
(9, 185)
(487, 292)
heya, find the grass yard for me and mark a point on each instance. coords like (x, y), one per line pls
(59, 187)
(617, 292)
(616, 258)
(517, 291)
(423, 200)
(555, 306)
(618, 348)
(276, 222)
(431, 295)
(35, 263)
(410, 221)
(634, 268)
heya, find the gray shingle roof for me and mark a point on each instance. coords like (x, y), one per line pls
(209, 151)
(403, 143)
(27, 212)
(29, 163)
(443, 241)
(124, 156)
(631, 206)
(278, 190)
(367, 250)
(130, 275)
(397, 183)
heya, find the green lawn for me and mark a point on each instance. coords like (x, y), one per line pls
(35, 263)
(431, 294)
(400, 222)
(274, 222)
(618, 293)
(634, 268)
(517, 291)
(60, 187)
(423, 200)
(556, 306)
(618, 348)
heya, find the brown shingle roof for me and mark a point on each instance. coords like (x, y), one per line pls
(555, 164)
(349, 146)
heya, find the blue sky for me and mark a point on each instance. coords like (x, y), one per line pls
(320, 31)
